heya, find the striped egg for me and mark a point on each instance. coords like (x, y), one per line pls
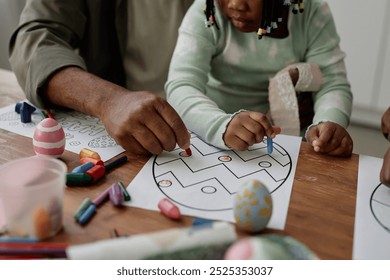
(49, 138)
(252, 206)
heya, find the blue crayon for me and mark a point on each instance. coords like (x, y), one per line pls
(17, 107)
(201, 222)
(87, 214)
(25, 112)
(83, 168)
(270, 145)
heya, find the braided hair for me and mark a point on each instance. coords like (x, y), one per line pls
(271, 16)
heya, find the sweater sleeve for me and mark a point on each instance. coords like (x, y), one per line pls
(45, 41)
(188, 75)
(333, 102)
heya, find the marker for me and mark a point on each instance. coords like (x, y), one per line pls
(115, 163)
(169, 209)
(270, 144)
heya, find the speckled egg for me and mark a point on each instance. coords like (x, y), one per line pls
(49, 138)
(252, 206)
(269, 247)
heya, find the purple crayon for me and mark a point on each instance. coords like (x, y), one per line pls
(116, 195)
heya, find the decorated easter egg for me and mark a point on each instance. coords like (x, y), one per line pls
(252, 206)
(269, 247)
(49, 138)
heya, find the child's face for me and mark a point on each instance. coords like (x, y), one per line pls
(245, 15)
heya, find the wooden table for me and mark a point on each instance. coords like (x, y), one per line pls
(321, 211)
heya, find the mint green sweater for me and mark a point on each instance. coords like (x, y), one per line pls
(216, 73)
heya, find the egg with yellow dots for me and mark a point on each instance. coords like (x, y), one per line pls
(252, 206)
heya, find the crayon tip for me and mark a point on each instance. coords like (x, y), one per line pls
(188, 151)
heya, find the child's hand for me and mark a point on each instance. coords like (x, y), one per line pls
(330, 138)
(248, 128)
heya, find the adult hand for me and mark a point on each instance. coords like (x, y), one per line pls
(330, 138)
(248, 128)
(385, 171)
(143, 123)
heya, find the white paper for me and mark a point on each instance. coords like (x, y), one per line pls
(372, 217)
(204, 184)
(81, 131)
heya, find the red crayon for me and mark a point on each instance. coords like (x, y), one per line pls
(96, 172)
(49, 114)
(93, 160)
(188, 151)
(169, 209)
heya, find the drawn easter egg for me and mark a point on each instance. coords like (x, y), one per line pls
(269, 247)
(252, 206)
(49, 138)
(104, 141)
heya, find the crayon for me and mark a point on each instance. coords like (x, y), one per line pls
(169, 209)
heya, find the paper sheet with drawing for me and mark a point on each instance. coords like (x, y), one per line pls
(203, 185)
(81, 131)
(372, 216)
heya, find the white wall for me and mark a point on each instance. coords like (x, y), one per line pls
(365, 37)
(9, 18)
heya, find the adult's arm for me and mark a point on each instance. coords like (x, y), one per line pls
(44, 58)
(140, 122)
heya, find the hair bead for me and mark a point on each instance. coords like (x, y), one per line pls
(272, 14)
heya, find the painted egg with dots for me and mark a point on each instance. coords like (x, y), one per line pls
(252, 206)
(49, 138)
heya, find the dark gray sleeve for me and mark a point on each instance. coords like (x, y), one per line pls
(45, 41)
